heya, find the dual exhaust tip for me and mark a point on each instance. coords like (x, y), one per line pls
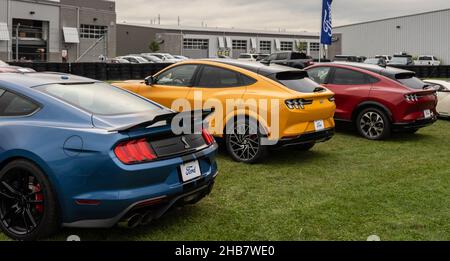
(136, 220)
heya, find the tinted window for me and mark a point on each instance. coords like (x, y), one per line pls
(245, 56)
(99, 98)
(319, 74)
(271, 57)
(217, 77)
(412, 82)
(348, 77)
(178, 76)
(300, 56)
(425, 58)
(298, 81)
(282, 56)
(14, 105)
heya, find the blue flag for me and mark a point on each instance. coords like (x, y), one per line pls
(327, 26)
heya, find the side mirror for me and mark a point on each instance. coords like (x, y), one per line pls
(149, 80)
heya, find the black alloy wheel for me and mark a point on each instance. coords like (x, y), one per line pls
(27, 205)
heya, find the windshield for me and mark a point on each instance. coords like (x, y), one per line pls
(372, 61)
(245, 56)
(99, 98)
(141, 60)
(400, 60)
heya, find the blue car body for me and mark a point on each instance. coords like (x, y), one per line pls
(75, 149)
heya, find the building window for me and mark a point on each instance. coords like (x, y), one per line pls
(287, 46)
(265, 46)
(195, 44)
(240, 44)
(92, 31)
(302, 47)
(314, 47)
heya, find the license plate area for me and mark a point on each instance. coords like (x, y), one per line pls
(190, 171)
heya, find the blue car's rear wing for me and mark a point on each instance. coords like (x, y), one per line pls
(193, 115)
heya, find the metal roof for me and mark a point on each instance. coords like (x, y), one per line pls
(223, 30)
(392, 18)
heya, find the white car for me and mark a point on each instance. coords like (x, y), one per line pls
(2, 63)
(133, 59)
(429, 60)
(443, 92)
(181, 57)
(166, 57)
(248, 57)
(388, 58)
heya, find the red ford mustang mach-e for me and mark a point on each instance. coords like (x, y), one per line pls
(378, 100)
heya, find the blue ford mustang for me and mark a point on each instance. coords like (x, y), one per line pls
(81, 153)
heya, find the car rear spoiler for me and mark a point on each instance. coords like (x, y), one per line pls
(166, 118)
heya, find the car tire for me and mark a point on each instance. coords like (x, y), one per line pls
(305, 146)
(247, 147)
(373, 124)
(28, 204)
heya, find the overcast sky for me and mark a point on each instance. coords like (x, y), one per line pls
(296, 15)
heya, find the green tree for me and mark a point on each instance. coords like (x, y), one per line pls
(154, 46)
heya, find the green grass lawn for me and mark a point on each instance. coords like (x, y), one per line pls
(345, 189)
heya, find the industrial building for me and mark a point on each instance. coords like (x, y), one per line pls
(55, 31)
(418, 34)
(205, 42)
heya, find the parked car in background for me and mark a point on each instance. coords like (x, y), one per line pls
(150, 58)
(376, 61)
(15, 69)
(134, 59)
(305, 108)
(119, 60)
(346, 58)
(387, 58)
(443, 93)
(165, 57)
(401, 59)
(377, 100)
(262, 56)
(2, 63)
(361, 59)
(181, 57)
(76, 152)
(297, 60)
(248, 57)
(427, 60)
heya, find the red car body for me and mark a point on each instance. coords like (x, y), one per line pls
(404, 99)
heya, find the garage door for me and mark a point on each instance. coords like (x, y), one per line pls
(196, 48)
(239, 46)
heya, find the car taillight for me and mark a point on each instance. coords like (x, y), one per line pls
(297, 103)
(135, 151)
(412, 97)
(209, 139)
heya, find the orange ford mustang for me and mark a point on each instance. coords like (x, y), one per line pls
(257, 106)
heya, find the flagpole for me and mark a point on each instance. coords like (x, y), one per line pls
(320, 34)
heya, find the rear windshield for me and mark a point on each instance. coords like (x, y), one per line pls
(298, 81)
(99, 98)
(410, 81)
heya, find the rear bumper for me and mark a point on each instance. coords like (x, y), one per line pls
(156, 207)
(415, 124)
(316, 137)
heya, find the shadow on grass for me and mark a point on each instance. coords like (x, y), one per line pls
(348, 130)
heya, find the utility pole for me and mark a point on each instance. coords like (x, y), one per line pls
(17, 42)
(159, 19)
(179, 21)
